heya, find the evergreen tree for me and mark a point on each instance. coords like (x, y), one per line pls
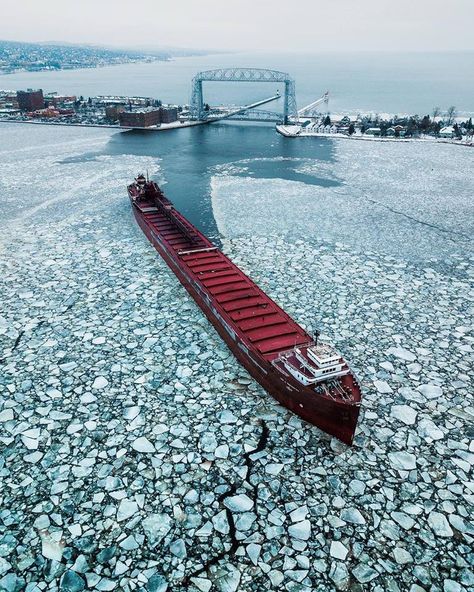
(411, 128)
(425, 124)
(383, 128)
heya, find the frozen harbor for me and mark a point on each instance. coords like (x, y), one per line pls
(137, 454)
(408, 200)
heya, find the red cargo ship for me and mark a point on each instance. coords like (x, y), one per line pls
(307, 377)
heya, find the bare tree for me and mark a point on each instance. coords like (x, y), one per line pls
(451, 113)
(436, 112)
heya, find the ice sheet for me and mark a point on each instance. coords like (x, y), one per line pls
(54, 174)
(413, 200)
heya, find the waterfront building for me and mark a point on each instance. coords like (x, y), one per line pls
(112, 112)
(30, 100)
(168, 114)
(141, 118)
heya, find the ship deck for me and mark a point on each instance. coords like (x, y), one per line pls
(257, 320)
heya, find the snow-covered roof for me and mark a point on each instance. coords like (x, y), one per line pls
(337, 117)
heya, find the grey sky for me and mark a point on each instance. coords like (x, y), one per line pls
(292, 25)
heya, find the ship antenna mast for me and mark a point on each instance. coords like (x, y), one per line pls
(316, 336)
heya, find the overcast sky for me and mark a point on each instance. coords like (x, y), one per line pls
(293, 25)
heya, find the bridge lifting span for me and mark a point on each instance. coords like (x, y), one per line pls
(199, 112)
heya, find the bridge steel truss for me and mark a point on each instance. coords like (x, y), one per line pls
(243, 75)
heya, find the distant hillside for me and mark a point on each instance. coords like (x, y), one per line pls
(33, 57)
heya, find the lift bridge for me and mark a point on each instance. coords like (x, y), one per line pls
(199, 111)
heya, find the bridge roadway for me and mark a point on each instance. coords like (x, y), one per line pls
(239, 114)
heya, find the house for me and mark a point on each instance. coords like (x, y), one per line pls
(396, 131)
(372, 131)
(447, 132)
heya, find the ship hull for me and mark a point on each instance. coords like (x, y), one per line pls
(338, 418)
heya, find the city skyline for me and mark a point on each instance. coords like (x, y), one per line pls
(368, 25)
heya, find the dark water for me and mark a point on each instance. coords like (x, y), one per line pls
(190, 158)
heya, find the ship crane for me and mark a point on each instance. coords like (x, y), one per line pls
(309, 110)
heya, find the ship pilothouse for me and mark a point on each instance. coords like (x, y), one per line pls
(313, 364)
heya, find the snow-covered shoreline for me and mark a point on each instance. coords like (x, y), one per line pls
(365, 137)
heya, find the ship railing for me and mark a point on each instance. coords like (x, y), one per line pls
(289, 352)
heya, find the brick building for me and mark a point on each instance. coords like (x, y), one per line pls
(168, 114)
(142, 118)
(112, 112)
(30, 100)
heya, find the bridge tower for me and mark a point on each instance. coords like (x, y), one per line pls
(197, 100)
(242, 75)
(289, 106)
